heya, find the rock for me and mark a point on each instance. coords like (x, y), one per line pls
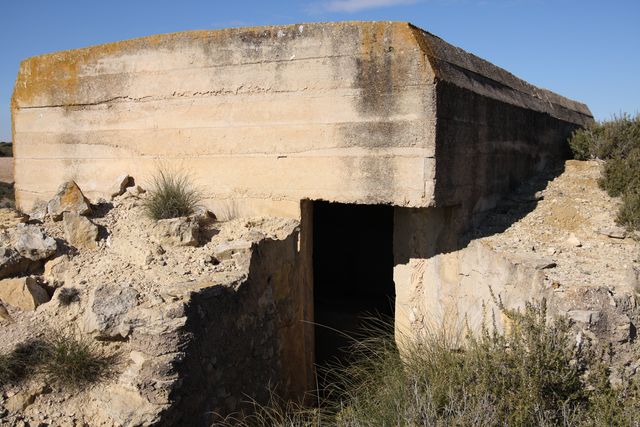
(226, 250)
(69, 198)
(614, 232)
(542, 263)
(107, 309)
(572, 240)
(204, 217)
(632, 278)
(38, 211)
(55, 270)
(31, 242)
(23, 292)
(23, 250)
(79, 231)
(136, 190)
(22, 399)
(183, 231)
(588, 317)
(120, 186)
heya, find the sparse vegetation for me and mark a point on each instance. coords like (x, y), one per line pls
(72, 361)
(617, 142)
(532, 375)
(172, 195)
(66, 360)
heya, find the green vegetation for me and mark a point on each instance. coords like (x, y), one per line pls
(617, 142)
(172, 195)
(532, 375)
(65, 360)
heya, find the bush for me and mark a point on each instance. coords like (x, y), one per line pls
(71, 361)
(65, 360)
(617, 142)
(172, 195)
(532, 375)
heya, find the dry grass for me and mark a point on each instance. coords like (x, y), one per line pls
(532, 376)
(172, 195)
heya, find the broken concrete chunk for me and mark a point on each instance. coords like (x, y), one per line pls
(108, 306)
(79, 231)
(31, 242)
(121, 184)
(23, 292)
(69, 198)
(226, 250)
(183, 231)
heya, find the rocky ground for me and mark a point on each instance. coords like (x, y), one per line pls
(590, 267)
(110, 271)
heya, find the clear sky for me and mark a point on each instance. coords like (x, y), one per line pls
(588, 50)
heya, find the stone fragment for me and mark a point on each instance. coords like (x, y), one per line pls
(79, 231)
(572, 240)
(542, 263)
(24, 293)
(183, 231)
(38, 211)
(588, 317)
(120, 185)
(632, 278)
(136, 190)
(614, 232)
(30, 241)
(204, 217)
(55, 270)
(107, 308)
(22, 399)
(226, 250)
(69, 198)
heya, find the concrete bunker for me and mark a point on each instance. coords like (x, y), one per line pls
(352, 273)
(404, 137)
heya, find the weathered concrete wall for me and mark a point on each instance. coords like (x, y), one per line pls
(355, 112)
(262, 117)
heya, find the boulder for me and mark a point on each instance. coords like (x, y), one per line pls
(31, 242)
(24, 249)
(23, 292)
(79, 231)
(69, 198)
(120, 185)
(108, 306)
(183, 231)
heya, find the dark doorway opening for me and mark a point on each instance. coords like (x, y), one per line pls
(353, 274)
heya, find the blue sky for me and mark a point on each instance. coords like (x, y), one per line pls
(587, 50)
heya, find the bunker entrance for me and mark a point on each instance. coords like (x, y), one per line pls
(353, 273)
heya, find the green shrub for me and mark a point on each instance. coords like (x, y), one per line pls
(532, 375)
(617, 142)
(71, 361)
(172, 195)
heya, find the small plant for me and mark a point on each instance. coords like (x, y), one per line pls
(172, 195)
(74, 361)
(617, 142)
